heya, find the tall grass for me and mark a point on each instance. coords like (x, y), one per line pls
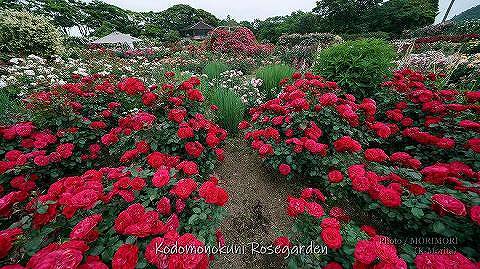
(271, 76)
(230, 107)
(9, 107)
(215, 68)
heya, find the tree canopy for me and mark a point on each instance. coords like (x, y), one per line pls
(336, 16)
(98, 18)
(469, 14)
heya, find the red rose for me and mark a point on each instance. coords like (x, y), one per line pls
(161, 178)
(132, 86)
(333, 265)
(296, 206)
(328, 99)
(309, 193)
(177, 115)
(213, 194)
(265, 149)
(282, 241)
(149, 98)
(85, 229)
(66, 255)
(335, 176)
(188, 167)
(184, 188)
(284, 169)
(475, 214)
(92, 262)
(390, 197)
(185, 131)
(314, 209)
(347, 143)
(154, 252)
(447, 203)
(7, 237)
(163, 206)
(376, 155)
(126, 257)
(371, 231)
(156, 159)
(416, 189)
(194, 149)
(41, 160)
(136, 221)
(332, 238)
(220, 154)
(364, 252)
(439, 260)
(243, 125)
(142, 146)
(98, 125)
(65, 150)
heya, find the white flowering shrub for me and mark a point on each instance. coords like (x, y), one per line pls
(245, 87)
(24, 33)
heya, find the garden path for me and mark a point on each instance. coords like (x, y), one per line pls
(256, 207)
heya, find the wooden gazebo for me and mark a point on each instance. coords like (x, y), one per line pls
(198, 31)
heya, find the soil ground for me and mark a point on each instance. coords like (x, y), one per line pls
(256, 207)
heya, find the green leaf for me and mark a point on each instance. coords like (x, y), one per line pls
(197, 210)
(438, 227)
(292, 264)
(417, 212)
(192, 219)
(130, 240)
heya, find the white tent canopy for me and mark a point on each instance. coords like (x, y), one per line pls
(117, 38)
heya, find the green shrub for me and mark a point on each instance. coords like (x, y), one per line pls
(358, 66)
(271, 76)
(24, 33)
(230, 107)
(214, 69)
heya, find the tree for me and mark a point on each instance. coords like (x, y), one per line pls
(298, 22)
(396, 16)
(64, 13)
(100, 14)
(345, 16)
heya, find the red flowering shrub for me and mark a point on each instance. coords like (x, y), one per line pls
(435, 125)
(237, 40)
(341, 146)
(441, 260)
(345, 242)
(348, 245)
(103, 167)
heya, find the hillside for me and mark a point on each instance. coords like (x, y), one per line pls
(469, 14)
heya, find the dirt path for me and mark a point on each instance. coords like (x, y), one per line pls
(256, 207)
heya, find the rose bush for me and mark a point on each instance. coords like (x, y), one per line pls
(312, 131)
(238, 40)
(350, 245)
(106, 167)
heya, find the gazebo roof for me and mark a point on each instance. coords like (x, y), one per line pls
(116, 38)
(200, 26)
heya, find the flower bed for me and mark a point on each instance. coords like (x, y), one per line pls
(105, 169)
(350, 245)
(414, 167)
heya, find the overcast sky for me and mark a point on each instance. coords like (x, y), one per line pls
(251, 9)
